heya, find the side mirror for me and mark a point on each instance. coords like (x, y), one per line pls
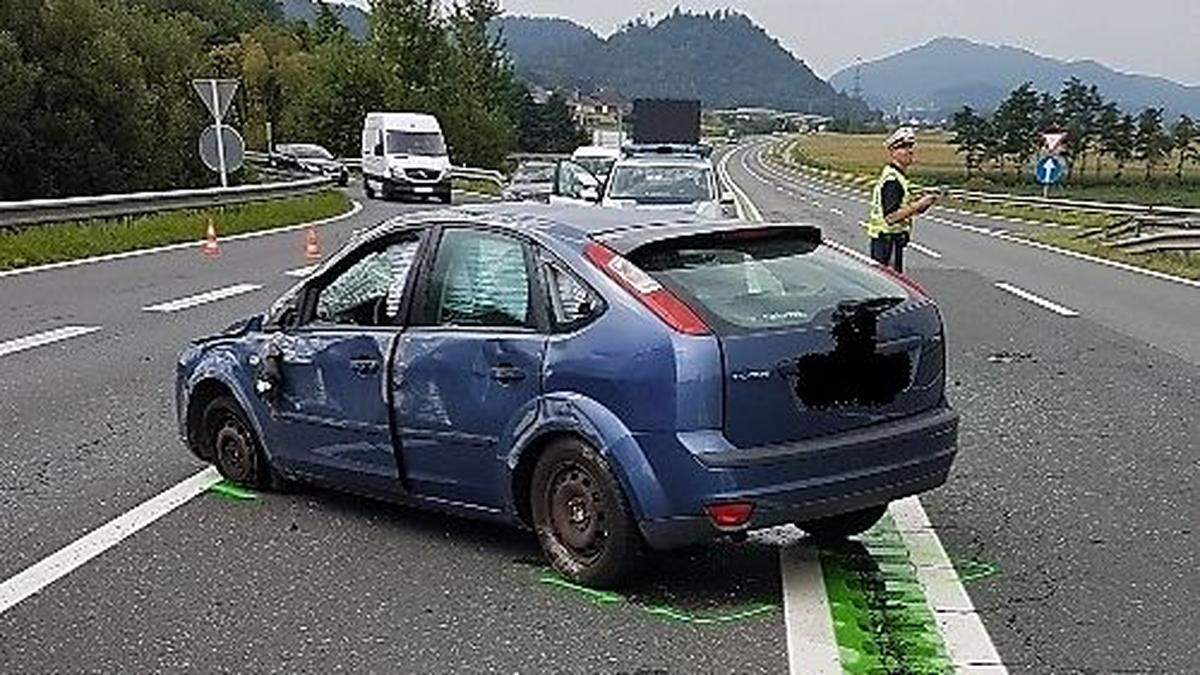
(727, 199)
(590, 194)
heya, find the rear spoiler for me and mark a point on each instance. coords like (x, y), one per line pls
(627, 240)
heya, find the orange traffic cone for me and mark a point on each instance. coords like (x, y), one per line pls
(312, 247)
(211, 248)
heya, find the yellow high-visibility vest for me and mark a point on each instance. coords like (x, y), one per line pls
(876, 223)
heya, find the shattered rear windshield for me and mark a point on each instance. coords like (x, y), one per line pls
(772, 281)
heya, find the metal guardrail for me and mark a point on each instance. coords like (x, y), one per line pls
(460, 172)
(18, 215)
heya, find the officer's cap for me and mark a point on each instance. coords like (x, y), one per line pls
(904, 136)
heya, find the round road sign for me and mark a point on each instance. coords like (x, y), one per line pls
(1049, 170)
(235, 148)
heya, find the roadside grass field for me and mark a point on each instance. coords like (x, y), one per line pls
(57, 242)
(938, 164)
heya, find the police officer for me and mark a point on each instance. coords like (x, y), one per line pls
(893, 204)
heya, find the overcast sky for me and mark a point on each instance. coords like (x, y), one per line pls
(1155, 37)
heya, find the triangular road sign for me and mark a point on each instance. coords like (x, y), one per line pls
(216, 94)
(1054, 140)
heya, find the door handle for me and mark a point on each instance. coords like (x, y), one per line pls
(507, 373)
(364, 366)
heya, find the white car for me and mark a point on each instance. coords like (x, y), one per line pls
(666, 179)
(404, 154)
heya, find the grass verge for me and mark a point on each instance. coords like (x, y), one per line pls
(57, 242)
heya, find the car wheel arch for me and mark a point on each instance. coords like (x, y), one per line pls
(580, 417)
(206, 385)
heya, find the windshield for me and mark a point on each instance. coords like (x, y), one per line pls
(534, 173)
(598, 166)
(427, 144)
(661, 184)
(311, 152)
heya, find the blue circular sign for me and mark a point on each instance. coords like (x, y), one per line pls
(1049, 170)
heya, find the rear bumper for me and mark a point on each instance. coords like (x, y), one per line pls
(806, 480)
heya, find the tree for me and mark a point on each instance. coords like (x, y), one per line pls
(1122, 142)
(1184, 135)
(970, 137)
(1107, 120)
(1015, 124)
(1077, 109)
(1151, 142)
(549, 126)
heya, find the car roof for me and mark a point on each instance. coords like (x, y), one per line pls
(620, 229)
(406, 121)
(666, 160)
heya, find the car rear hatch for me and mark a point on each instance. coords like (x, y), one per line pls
(813, 342)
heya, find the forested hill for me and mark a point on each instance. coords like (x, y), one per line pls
(722, 58)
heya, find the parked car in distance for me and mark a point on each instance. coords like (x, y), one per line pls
(533, 180)
(613, 380)
(404, 155)
(310, 158)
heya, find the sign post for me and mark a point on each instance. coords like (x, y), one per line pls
(217, 95)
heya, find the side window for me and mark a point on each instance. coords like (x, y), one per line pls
(370, 291)
(572, 303)
(479, 279)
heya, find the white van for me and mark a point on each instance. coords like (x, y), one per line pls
(404, 154)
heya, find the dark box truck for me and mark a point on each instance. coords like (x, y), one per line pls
(657, 120)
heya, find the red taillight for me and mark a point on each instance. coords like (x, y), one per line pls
(642, 286)
(731, 515)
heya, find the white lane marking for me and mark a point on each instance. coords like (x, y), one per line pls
(301, 272)
(1037, 299)
(746, 209)
(202, 298)
(925, 250)
(44, 338)
(72, 556)
(811, 645)
(178, 247)
(966, 638)
(836, 211)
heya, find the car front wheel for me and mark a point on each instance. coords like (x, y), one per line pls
(581, 516)
(234, 447)
(843, 525)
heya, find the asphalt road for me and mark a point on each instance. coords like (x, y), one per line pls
(1079, 443)
(1076, 480)
(303, 582)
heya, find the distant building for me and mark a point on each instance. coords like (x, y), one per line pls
(599, 109)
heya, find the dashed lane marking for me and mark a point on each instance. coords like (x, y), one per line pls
(74, 555)
(44, 338)
(836, 211)
(301, 272)
(925, 250)
(1037, 300)
(202, 298)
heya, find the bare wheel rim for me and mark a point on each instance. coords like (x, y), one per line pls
(235, 453)
(577, 511)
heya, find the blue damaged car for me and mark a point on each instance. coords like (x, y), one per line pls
(616, 381)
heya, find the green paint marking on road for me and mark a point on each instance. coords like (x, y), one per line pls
(232, 491)
(596, 596)
(675, 614)
(974, 570)
(881, 621)
(708, 620)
